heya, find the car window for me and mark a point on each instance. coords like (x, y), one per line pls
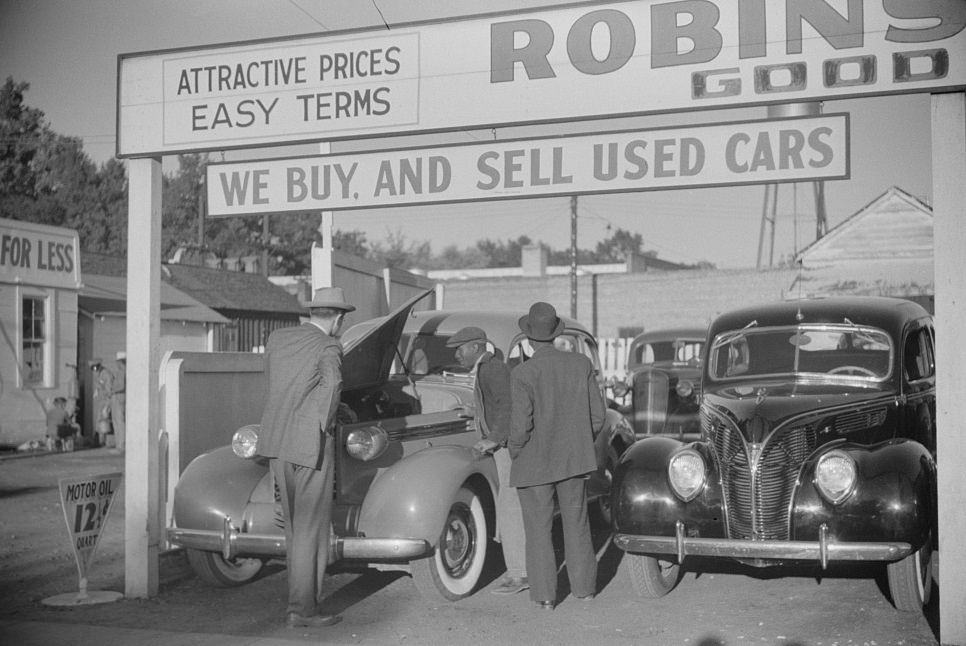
(427, 354)
(918, 359)
(671, 350)
(521, 350)
(830, 351)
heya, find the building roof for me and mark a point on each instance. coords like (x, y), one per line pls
(107, 296)
(884, 249)
(894, 225)
(217, 289)
(232, 290)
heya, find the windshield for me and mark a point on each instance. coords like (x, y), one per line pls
(674, 350)
(802, 351)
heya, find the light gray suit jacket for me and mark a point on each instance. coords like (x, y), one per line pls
(304, 369)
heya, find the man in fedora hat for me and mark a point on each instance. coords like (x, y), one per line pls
(492, 395)
(557, 408)
(304, 370)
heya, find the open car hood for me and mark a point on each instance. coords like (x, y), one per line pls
(367, 358)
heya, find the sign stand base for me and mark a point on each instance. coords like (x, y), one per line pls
(88, 598)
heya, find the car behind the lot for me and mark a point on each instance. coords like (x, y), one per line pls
(818, 445)
(410, 491)
(662, 390)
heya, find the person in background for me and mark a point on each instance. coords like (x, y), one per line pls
(304, 371)
(118, 411)
(557, 408)
(492, 394)
(60, 430)
(103, 387)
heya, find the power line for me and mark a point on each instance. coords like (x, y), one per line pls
(311, 17)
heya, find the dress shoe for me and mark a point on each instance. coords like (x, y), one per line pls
(295, 620)
(545, 605)
(587, 597)
(511, 585)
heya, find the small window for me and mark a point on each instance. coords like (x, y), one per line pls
(36, 344)
(918, 360)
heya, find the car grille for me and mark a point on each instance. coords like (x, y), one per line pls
(758, 480)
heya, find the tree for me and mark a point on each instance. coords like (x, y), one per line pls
(619, 247)
(49, 179)
(400, 253)
(500, 254)
(22, 132)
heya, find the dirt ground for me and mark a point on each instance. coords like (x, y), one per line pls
(719, 606)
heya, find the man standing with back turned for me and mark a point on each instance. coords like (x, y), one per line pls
(304, 369)
(557, 408)
(492, 394)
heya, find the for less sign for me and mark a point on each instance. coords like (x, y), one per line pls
(34, 254)
(564, 63)
(750, 152)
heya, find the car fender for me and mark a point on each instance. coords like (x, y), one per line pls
(615, 436)
(643, 502)
(214, 485)
(411, 499)
(893, 500)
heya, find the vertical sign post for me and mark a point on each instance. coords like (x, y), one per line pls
(86, 501)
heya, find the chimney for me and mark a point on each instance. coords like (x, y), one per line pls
(533, 260)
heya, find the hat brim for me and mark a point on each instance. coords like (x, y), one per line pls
(345, 307)
(524, 324)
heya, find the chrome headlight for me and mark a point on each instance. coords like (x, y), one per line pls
(245, 441)
(366, 443)
(687, 473)
(835, 476)
(684, 389)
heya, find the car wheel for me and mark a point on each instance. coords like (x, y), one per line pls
(650, 576)
(910, 580)
(212, 568)
(454, 569)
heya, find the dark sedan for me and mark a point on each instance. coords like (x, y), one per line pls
(661, 392)
(817, 445)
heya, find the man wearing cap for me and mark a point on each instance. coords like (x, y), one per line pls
(557, 408)
(492, 394)
(118, 401)
(304, 370)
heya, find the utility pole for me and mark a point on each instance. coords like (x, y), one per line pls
(573, 256)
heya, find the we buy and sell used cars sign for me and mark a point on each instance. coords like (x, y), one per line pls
(749, 152)
(559, 64)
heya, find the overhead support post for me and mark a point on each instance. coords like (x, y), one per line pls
(141, 484)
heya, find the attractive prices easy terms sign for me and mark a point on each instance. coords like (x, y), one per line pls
(751, 152)
(570, 62)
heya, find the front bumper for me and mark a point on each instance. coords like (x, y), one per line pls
(822, 550)
(231, 542)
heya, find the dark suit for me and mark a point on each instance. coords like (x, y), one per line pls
(304, 369)
(557, 408)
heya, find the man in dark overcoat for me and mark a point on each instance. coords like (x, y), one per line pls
(557, 409)
(492, 417)
(304, 370)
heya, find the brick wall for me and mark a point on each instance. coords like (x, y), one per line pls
(651, 299)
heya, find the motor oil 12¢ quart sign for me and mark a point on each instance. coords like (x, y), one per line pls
(87, 501)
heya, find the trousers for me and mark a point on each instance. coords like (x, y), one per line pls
(119, 419)
(509, 519)
(306, 496)
(537, 505)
